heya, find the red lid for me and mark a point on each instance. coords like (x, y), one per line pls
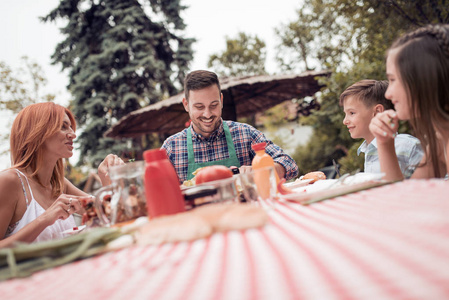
(259, 146)
(155, 154)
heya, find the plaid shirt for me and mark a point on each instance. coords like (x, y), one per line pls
(214, 148)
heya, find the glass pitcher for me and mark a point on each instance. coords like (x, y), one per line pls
(124, 199)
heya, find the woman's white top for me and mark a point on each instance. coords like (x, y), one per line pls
(34, 209)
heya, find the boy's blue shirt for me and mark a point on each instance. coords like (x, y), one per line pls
(408, 150)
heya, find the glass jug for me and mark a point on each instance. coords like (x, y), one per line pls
(124, 199)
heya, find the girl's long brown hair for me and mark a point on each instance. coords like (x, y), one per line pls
(423, 63)
(31, 128)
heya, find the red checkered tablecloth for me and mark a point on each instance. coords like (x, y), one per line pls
(391, 242)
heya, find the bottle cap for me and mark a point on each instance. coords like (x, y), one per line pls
(259, 146)
(155, 154)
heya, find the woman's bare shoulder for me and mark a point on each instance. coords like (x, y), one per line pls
(9, 180)
(9, 175)
(9, 183)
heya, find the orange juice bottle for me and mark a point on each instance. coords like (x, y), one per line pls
(262, 179)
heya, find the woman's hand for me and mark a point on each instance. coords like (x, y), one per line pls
(103, 168)
(64, 206)
(384, 126)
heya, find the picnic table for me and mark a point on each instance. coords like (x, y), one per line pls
(389, 242)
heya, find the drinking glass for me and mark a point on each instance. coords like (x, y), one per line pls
(259, 183)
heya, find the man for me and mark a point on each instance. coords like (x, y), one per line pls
(210, 140)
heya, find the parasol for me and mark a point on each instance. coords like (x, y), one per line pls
(242, 96)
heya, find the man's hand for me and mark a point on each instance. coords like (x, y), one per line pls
(280, 170)
(103, 168)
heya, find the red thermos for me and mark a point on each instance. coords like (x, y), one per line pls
(162, 190)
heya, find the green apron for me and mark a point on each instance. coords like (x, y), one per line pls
(228, 162)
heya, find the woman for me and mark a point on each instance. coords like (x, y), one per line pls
(36, 201)
(418, 73)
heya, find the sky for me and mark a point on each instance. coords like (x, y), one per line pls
(208, 21)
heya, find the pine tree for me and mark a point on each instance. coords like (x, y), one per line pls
(121, 55)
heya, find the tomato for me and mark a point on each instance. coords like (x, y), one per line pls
(212, 173)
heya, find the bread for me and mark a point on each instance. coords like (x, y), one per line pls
(315, 176)
(235, 216)
(174, 228)
(200, 223)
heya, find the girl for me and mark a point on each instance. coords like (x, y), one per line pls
(418, 74)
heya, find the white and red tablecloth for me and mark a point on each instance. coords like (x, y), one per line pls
(390, 242)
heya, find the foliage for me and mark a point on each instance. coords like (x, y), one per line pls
(121, 55)
(76, 175)
(350, 39)
(315, 39)
(352, 162)
(273, 118)
(245, 55)
(420, 12)
(20, 88)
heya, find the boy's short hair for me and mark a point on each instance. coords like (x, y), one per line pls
(370, 92)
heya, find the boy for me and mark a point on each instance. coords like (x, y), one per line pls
(361, 102)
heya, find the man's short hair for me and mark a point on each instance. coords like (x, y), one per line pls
(370, 92)
(200, 79)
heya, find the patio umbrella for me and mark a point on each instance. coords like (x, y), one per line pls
(242, 96)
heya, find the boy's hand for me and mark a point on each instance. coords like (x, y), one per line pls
(384, 126)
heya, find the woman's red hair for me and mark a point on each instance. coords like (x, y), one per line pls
(31, 128)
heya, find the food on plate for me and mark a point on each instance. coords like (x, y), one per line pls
(212, 173)
(283, 190)
(315, 176)
(206, 174)
(191, 182)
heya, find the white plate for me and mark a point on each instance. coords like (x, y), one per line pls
(73, 230)
(328, 190)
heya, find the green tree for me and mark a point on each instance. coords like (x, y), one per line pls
(420, 12)
(20, 88)
(350, 39)
(245, 55)
(121, 55)
(315, 40)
